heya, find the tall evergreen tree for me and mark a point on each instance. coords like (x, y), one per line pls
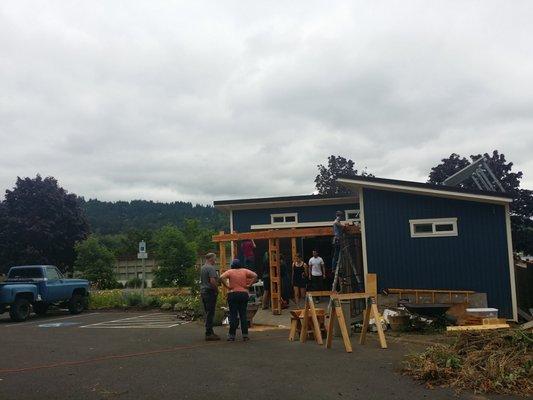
(40, 224)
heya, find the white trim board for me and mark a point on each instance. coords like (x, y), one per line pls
(427, 191)
(363, 231)
(511, 262)
(295, 225)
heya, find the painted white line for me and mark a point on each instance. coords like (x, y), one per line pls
(45, 320)
(115, 320)
(139, 321)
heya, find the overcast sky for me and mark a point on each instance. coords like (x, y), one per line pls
(196, 101)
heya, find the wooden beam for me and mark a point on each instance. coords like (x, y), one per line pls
(282, 233)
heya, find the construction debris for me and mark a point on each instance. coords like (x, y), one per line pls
(485, 362)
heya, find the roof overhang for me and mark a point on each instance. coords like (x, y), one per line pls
(277, 202)
(418, 188)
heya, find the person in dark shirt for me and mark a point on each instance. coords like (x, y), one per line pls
(209, 294)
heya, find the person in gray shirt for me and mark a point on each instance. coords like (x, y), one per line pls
(209, 293)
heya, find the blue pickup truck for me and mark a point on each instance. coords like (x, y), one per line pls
(40, 286)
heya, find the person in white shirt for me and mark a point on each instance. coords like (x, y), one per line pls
(318, 273)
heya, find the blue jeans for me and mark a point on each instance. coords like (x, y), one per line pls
(238, 305)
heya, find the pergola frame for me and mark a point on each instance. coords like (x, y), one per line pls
(273, 236)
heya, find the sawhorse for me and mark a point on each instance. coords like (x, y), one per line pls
(336, 314)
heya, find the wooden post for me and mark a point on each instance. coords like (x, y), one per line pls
(223, 263)
(234, 250)
(294, 250)
(275, 292)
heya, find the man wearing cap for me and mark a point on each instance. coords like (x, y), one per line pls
(209, 293)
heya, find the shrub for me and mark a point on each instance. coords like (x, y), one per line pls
(135, 283)
(101, 299)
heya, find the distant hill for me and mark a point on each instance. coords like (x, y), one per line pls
(120, 216)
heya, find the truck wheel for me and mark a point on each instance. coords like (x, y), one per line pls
(40, 308)
(76, 304)
(20, 310)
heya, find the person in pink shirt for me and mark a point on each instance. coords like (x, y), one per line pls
(237, 280)
(247, 249)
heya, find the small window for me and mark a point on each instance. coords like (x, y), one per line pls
(289, 218)
(351, 215)
(433, 227)
(52, 274)
(423, 228)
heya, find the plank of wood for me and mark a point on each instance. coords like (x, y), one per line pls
(366, 322)
(305, 319)
(371, 284)
(477, 327)
(353, 296)
(320, 293)
(282, 233)
(342, 325)
(332, 320)
(316, 326)
(527, 326)
(494, 321)
(377, 318)
(294, 327)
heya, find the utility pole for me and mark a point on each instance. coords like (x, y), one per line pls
(142, 255)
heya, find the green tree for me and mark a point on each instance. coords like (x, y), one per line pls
(95, 262)
(202, 237)
(174, 255)
(522, 206)
(326, 180)
(40, 222)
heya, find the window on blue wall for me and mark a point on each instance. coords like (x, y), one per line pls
(433, 227)
(287, 218)
(351, 215)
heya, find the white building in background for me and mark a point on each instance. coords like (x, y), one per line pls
(128, 268)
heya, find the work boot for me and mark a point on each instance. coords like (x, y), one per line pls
(211, 337)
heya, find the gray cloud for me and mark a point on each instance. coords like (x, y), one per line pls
(180, 101)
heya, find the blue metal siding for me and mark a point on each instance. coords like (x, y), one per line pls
(244, 219)
(476, 259)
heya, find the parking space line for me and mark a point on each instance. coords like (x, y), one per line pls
(150, 321)
(45, 320)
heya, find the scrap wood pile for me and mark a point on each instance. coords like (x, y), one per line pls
(482, 361)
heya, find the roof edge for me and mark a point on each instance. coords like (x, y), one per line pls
(425, 188)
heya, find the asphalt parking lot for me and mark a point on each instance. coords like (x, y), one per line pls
(111, 355)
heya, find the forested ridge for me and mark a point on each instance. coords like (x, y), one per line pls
(107, 217)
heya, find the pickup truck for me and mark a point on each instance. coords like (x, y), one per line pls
(38, 287)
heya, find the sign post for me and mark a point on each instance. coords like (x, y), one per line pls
(142, 255)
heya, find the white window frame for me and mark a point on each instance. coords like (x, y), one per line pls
(434, 222)
(357, 212)
(284, 216)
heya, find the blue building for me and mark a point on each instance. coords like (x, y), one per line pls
(413, 235)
